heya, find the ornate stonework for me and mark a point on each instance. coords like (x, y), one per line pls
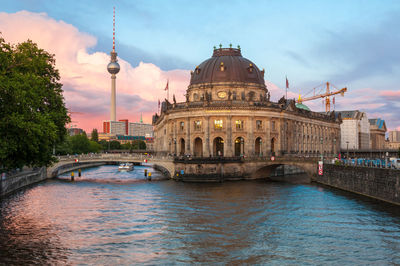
(228, 113)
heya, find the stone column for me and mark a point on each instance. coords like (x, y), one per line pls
(187, 139)
(206, 144)
(250, 142)
(229, 141)
(267, 140)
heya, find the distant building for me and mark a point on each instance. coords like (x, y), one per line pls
(354, 130)
(377, 131)
(115, 127)
(394, 136)
(140, 129)
(75, 131)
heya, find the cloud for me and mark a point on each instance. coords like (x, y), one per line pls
(84, 75)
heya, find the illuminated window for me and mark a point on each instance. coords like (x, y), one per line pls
(182, 125)
(218, 124)
(259, 124)
(197, 125)
(239, 124)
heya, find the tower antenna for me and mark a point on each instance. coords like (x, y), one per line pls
(113, 29)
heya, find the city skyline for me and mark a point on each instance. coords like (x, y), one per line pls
(355, 47)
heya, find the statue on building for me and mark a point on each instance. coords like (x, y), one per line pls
(229, 95)
(173, 98)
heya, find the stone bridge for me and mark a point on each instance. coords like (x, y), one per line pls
(236, 168)
(214, 169)
(71, 163)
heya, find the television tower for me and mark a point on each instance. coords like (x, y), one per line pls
(113, 68)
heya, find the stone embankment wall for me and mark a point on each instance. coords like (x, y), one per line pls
(378, 183)
(12, 183)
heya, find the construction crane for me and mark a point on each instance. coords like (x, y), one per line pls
(325, 95)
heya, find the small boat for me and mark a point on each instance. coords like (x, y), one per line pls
(125, 167)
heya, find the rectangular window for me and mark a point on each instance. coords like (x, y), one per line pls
(218, 124)
(239, 124)
(259, 125)
(197, 125)
(182, 125)
(272, 125)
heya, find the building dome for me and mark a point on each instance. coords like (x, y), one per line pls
(227, 65)
(302, 106)
(113, 67)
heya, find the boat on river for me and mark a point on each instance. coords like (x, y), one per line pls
(125, 167)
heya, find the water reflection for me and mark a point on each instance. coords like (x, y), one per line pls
(107, 217)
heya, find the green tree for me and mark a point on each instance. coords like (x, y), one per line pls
(104, 144)
(95, 135)
(138, 145)
(80, 144)
(94, 146)
(115, 145)
(32, 109)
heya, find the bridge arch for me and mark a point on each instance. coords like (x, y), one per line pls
(306, 172)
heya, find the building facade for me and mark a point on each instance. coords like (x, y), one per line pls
(228, 113)
(394, 136)
(355, 130)
(140, 129)
(377, 131)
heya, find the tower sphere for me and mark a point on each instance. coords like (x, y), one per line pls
(113, 67)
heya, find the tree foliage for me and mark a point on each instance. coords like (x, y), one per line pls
(32, 109)
(95, 135)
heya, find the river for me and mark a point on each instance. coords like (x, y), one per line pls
(108, 218)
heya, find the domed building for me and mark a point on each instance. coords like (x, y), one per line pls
(228, 113)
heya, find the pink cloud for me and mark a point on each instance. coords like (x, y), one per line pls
(84, 75)
(390, 94)
(87, 82)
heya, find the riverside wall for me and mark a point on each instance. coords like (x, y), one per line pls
(12, 183)
(378, 183)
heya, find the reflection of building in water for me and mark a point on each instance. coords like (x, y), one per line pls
(228, 112)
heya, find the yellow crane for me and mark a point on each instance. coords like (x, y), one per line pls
(325, 95)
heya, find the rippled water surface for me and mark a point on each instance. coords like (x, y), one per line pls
(107, 217)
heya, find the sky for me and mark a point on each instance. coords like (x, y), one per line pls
(353, 44)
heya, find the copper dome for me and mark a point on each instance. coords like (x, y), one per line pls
(227, 65)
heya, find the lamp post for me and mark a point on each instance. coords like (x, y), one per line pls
(347, 150)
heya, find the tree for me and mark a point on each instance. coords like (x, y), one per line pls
(32, 109)
(80, 144)
(95, 135)
(104, 144)
(115, 145)
(94, 146)
(138, 145)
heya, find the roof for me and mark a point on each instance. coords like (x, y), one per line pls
(352, 114)
(379, 123)
(227, 65)
(302, 106)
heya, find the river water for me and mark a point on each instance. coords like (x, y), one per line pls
(110, 218)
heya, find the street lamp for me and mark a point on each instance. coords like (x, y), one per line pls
(347, 150)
